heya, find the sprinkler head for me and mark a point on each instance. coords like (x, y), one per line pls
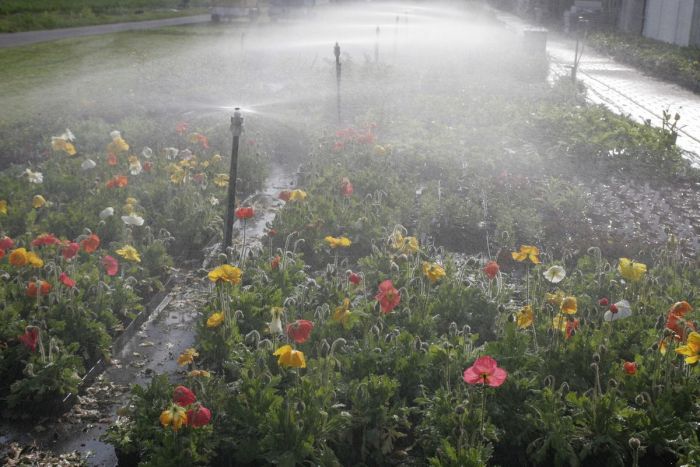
(237, 122)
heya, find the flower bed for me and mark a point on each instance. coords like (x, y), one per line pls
(85, 238)
(351, 339)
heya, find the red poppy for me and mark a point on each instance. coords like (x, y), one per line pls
(299, 330)
(147, 166)
(676, 322)
(198, 416)
(70, 250)
(571, 327)
(354, 278)
(201, 139)
(67, 281)
(2, 253)
(346, 187)
(603, 301)
(119, 181)
(6, 243)
(30, 337)
(388, 297)
(45, 239)
(181, 127)
(338, 146)
(285, 195)
(613, 309)
(491, 269)
(33, 288)
(271, 233)
(90, 244)
(244, 213)
(183, 397)
(111, 265)
(112, 159)
(630, 368)
(275, 263)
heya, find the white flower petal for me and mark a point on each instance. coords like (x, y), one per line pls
(88, 164)
(555, 274)
(115, 134)
(106, 212)
(68, 135)
(133, 220)
(147, 152)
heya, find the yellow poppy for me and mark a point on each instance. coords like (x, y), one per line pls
(19, 257)
(62, 144)
(187, 357)
(297, 195)
(380, 150)
(569, 305)
(525, 317)
(221, 180)
(3, 207)
(175, 417)
(433, 271)
(555, 299)
(403, 244)
(631, 270)
(34, 260)
(117, 145)
(527, 252)
(129, 253)
(199, 374)
(288, 357)
(225, 273)
(342, 313)
(334, 242)
(38, 202)
(691, 349)
(177, 174)
(215, 320)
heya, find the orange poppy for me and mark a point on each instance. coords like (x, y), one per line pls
(90, 244)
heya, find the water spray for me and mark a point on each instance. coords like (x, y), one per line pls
(376, 48)
(336, 51)
(236, 130)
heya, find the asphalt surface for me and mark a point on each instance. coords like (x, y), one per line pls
(15, 39)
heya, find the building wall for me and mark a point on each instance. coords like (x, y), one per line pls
(670, 20)
(632, 16)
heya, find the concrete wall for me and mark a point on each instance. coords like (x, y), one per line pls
(670, 20)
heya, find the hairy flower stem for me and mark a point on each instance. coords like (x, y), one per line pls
(483, 408)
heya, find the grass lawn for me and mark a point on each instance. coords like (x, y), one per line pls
(28, 15)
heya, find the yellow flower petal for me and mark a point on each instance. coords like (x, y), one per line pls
(3, 207)
(215, 320)
(129, 253)
(569, 305)
(225, 273)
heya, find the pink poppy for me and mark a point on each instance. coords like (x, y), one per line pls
(299, 330)
(67, 281)
(111, 265)
(630, 368)
(354, 278)
(181, 127)
(183, 397)
(198, 416)
(69, 251)
(6, 243)
(30, 337)
(485, 370)
(388, 297)
(491, 269)
(45, 240)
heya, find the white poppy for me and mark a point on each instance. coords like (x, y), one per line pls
(88, 164)
(135, 167)
(214, 201)
(68, 135)
(106, 212)
(276, 325)
(555, 274)
(147, 152)
(618, 310)
(132, 219)
(171, 153)
(116, 134)
(34, 177)
(186, 154)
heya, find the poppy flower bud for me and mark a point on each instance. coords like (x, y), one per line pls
(640, 400)
(501, 308)
(459, 410)
(613, 308)
(612, 383)
(634, 443)
(596, 357)
(602, 348)
(564, 387)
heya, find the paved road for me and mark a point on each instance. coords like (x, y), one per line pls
(624, 89)
(31, 37)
